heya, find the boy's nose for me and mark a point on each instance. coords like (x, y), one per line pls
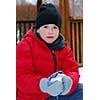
(50, 31)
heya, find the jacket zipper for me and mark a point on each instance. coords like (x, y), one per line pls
(55, 64)
(55, 60)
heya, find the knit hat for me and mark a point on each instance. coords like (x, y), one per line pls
(48, 14)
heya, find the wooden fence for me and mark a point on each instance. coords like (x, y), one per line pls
(76, 35)
(22, 27)
(76, 38)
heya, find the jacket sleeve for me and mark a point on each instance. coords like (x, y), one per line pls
(70, 67)
(27, 80)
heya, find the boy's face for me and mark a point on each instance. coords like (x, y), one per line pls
(49, 32)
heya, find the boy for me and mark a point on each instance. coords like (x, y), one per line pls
(46, 68)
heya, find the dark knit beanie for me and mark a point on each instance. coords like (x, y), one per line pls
(48, 14)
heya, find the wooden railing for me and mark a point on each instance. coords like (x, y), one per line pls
(22, 27)
(76, 35)
(76, 38)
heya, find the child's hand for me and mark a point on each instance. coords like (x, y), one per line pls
(52, 88)
(54, 75)
(52, 85)
(57, 84)
(61, 77)
(67, 84)
(66, 81)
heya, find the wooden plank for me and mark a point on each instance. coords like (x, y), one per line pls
(62, 12)
(65, 13)
(81, 38)
(73, 39)
(67, 21)
(77, 42)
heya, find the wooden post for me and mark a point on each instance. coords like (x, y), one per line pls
(67, 20)
(62, 11)
(65, 13)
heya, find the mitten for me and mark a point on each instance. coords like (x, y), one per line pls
(58, 77)
(66, 81)
(55, 88)
(67, 84)
(54, 75)
(52, 87)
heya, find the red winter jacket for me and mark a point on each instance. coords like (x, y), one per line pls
(34, 61)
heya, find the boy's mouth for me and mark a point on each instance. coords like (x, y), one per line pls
(49, 36)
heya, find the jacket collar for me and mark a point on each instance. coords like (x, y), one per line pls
(58, 43)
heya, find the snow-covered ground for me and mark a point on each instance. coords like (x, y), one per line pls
(81, 75)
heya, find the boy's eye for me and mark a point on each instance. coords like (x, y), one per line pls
(45, 26)
(55, 27)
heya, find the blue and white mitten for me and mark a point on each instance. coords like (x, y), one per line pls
(66, 81)
(51, 85)
(67, 84)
